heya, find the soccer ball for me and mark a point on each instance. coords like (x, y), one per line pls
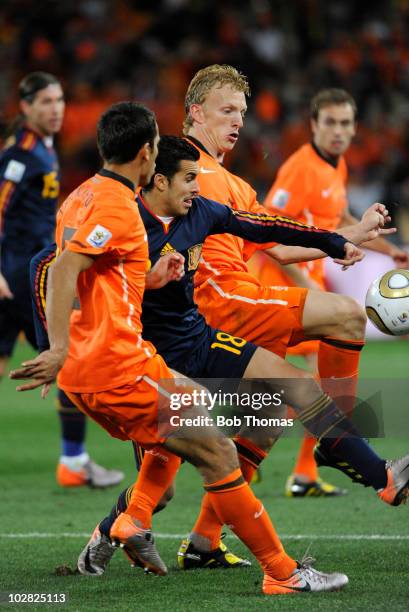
(387, 302)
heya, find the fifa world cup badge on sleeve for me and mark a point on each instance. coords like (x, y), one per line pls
(99, 236)
(280, 198)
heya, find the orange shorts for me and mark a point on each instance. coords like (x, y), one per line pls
(130, 412)
(304, 348)
(270, 317)
(269, 274)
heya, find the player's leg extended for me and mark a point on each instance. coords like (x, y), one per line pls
(317, 411)
(235, 504)
(274, 318)
(337, 435)
(270, 317)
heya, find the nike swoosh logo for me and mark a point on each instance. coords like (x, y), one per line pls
(326, 192)
(306, 587)
(259, 513)
(206, 171)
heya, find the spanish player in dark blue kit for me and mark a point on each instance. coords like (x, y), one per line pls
(29, 189)
(177, 219)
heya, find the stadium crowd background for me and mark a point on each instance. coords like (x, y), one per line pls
(107, 50)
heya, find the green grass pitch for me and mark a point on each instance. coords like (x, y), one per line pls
(43, 526)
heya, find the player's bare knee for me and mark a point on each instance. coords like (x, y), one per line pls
(352, 321)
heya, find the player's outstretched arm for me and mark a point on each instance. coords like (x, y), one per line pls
(266, 228)
(61, 290)
(168, 268)
(369, 228)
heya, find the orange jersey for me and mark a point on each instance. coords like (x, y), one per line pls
(101, 219)
(311, 190)
(225, 252)
(227, 294)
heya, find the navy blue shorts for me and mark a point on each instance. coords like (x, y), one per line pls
(16, 315)
(219, 355)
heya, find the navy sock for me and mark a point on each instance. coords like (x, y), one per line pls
(339, 438)
(70, 448)
(360, 456)
(120, 506)
(73, 426)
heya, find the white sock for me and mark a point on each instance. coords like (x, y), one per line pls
(75, 463)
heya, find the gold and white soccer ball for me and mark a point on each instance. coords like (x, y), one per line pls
(387, 302)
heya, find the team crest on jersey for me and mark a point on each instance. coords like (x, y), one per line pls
(168, 248)
(99, 236)
(194, 254)
(280, 198)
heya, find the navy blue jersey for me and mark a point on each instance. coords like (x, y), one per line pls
(170, 318)
(29, 187)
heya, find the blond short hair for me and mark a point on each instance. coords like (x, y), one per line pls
(205, 79)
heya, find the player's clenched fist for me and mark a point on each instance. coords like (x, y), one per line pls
(168, 268)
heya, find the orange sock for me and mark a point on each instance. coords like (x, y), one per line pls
(158, 470)
(338, 362)
(207, 530)
(236, 505)
(305, 465)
